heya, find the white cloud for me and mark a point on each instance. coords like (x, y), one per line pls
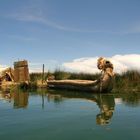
(2, 67)
(121, 63)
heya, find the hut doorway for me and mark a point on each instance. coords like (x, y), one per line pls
(8, 77)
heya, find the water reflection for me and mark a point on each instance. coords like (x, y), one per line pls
(55, 98)
(18, 99)
(107, 106)
(106, 103)
(131, 99)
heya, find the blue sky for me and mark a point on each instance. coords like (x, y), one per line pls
(54, 32)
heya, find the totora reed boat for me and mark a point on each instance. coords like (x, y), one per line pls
(102, 85)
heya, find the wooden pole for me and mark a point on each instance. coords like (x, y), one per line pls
(42, 100)
(43, 74)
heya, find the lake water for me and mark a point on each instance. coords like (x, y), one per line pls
(63, 115)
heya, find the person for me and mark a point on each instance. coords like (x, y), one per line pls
(107, 75)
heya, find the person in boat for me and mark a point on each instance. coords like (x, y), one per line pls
(105, 82)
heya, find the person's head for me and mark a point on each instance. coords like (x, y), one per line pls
(103, 64)
(100, 63)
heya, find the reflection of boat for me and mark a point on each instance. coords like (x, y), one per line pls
(103, 84)
(105, 102)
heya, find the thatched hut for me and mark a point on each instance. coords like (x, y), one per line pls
(19, 74)
(21, 71)
(7, 75)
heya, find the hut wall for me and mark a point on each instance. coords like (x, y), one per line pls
(21, 71)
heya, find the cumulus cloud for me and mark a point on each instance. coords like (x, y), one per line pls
(2, 67)
(121, 63)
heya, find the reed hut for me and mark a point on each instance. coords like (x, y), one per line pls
(7, 75)
(21, 71)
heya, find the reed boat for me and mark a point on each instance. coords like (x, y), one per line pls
(81, 85)
(103, 84)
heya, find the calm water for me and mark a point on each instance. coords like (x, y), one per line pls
(61, 115)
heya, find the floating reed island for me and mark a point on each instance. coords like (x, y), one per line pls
(102, 85)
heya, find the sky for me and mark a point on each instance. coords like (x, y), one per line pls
(59, 33)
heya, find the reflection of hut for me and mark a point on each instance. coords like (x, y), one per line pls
(21, 71)
(20, 100)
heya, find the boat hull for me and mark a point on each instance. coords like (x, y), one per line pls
(78, 85)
